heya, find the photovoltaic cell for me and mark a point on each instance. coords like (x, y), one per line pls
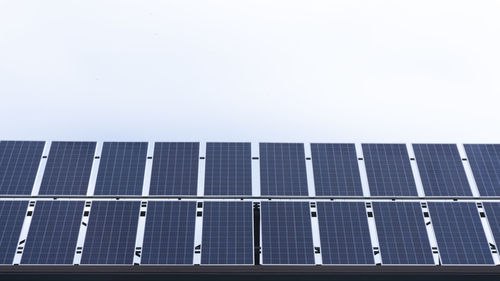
(401, 233)
(388, 170)
(121, 170)
(441, 170)
(12, 215)
(459, 233)
(228, 169)
(493, 214)
(344, 233)
(227, 236)
(53, 232)
(286, 233)
(336, 171)
(485, 163)
(111, 233)
(175, 168)
(19, 161)
(68, 168)
(169, 233)
(283, 169)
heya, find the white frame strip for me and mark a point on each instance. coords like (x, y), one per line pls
(362, 170)
(198, 228)
(41, 169)
(95, 168)
(373, 233)
(468, 170)
(148, 169)
(201, 169)
(255, 154)
(24, 233)
(139, 238)
(430, 231)
(82, 233)
(414, 169)
(487, 231)
(318, 258)
(309, 170)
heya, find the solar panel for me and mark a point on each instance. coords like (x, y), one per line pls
(175, 168)
(459, 233)
(12, 215)
(336, 171)
(227, 233)
(286, 233)
(169, 233)
(121, 170)
(19, 161)
(388, 170)
(441, 170)
(493, 214)
(401, 233)
(53, 232)
(484, 160)
(228, 169)
(68, 168)
(111, 233)
(283, 169)
(344, 233)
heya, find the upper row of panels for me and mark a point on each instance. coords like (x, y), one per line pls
(119, 168)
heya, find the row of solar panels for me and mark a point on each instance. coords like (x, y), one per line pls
(289, 232)
(121, 167)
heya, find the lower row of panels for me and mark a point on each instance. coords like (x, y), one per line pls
(106, 232)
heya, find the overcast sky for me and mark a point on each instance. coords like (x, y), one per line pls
(322, 71)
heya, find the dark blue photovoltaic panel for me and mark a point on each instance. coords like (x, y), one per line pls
(286, 233)
(493, 215)
(484, 160)
(459, 233)
(401, 233)
(19, 161)
(441, 170)
(283, 169)
(388, 170)
(175, 168)
(336, 171)
(228, 169)
(169, 233)
(68, 168)
(111, 233)
(121, 170)
(344, 233)
(227, 233)
(12, 215)
(53, 232)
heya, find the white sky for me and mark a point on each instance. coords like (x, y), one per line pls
(329, 71)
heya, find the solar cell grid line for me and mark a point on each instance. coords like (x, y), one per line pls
(121, 169)
(12, 213)
(441, 170)
(283, 169)
(169, 233)
(68, 168)
(459, 233)
(484, 160)
(336, 171)
(286, 233)
(111, 233)
(402, 234)
(227, 235)
(19, 162)
(388, 169)
(228, 169)
(53, 232)
(344, 233)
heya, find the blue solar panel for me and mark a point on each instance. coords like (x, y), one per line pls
(53, 232)
(286, 233)
(459, 233)
(68, 168)
(485, 163)
(227, 233)
(121, 170)
(441, 170)
(228, 169)
(175, 168)
(111, 233)
(12, 215)
(344, 233)
(493, 215)
(336, 171)
(283, 169)
(388, 169)
(19, 161)
(169, 233)
(401, 233)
